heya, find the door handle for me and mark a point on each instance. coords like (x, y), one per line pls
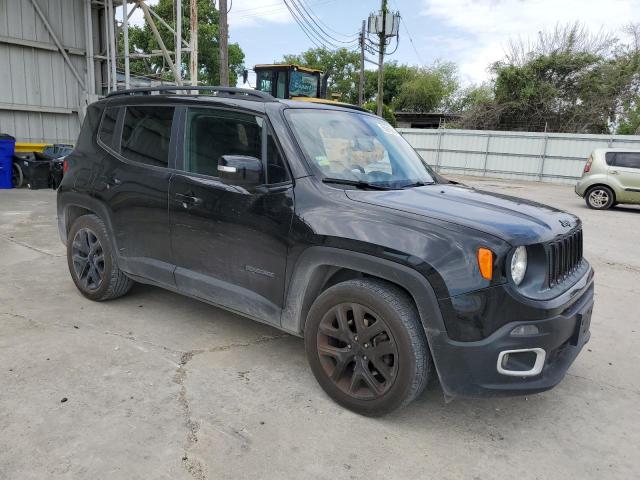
(188, 199)
(614, 172)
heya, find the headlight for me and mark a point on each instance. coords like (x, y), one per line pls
(519, 265)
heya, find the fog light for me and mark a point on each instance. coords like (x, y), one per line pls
(524, 331)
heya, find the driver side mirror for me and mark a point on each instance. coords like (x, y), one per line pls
(240, 170)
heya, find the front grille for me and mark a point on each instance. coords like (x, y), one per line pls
(564, 256)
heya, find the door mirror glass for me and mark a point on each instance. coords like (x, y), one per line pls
(240, 170)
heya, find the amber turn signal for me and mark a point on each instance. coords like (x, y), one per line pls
(485, 262)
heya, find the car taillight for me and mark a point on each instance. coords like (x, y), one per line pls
(587, 166)
(65, 166)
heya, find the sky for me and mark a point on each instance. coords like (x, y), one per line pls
(471, 33)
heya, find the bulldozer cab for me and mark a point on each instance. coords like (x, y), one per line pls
(290, 81)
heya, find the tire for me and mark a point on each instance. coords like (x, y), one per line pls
(343, 327)
(600, 198)
(91, 261)
(17, 177)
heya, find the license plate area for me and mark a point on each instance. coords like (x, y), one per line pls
(583, 323)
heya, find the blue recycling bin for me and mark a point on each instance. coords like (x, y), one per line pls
(7, 146)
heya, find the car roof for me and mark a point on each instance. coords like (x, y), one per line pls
(239, 97)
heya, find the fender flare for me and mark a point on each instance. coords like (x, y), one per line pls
(308, 274)
(85, 202)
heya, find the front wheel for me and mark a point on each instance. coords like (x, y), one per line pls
(366, 346)
(600, 198)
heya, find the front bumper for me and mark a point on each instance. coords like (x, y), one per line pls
(471, 369)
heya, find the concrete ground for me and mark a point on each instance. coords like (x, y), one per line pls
(158, 386)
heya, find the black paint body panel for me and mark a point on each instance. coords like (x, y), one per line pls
(267, 253)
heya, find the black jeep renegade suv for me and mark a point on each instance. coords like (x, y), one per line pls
(322, 221)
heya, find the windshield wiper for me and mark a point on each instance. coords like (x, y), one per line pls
(354, 183)
(417, 184)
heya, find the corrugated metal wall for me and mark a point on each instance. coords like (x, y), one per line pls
(40, 99)
(552, 157)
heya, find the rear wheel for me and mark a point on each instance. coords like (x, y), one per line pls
(366, 346)
(91, 261)
(600, 197)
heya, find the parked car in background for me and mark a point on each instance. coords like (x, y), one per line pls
(322, 221)
(610, 176)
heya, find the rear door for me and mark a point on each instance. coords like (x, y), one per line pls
(229, 243)
(625, 170)
(134, 183)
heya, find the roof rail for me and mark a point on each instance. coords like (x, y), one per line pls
(226, 91)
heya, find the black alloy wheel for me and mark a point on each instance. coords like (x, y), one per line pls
(88, 259)
(366, 346)
(357, 351)
(92, 262)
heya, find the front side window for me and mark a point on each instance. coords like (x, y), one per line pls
(627, 159)
(357, 147)
(146, 134)
(211, 133)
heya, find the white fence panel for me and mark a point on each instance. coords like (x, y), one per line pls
(549, 157)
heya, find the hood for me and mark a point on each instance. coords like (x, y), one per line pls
(515, 220)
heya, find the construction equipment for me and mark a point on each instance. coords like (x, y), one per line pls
(290, 81)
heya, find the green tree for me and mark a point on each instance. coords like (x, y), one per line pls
(472, 96)
(395, 75)
(387, 112)
(430, 89)
(342, 66)
(143, 41)
(630, 119)
(568, 81)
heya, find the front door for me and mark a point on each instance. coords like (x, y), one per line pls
(229, 243)
(625, 170)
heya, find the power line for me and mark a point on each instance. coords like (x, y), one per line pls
(316, 32)
(406, 29)
(312, 28)
(271, 8)
(303, 27)
(317, 20)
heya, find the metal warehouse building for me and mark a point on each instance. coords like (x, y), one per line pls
(44, 85)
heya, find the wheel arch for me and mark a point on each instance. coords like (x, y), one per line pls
(72, 205)
(318, 268)
(601, 184)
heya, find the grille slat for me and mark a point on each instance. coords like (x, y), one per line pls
(564, 256)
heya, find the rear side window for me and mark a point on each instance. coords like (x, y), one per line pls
(627, 159)
(610, 158)
(146, 134)
(108, 125)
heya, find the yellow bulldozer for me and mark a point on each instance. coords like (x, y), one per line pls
(292, 82)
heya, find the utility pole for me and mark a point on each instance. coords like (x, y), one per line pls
(125, 31)
(383, 40)
(361, 86)
(178, 37)
(223, 44)
(194, 42)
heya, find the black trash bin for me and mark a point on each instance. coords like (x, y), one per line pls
(36, 169)
(57, 171)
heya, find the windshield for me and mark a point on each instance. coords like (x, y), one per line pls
(362, 148)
